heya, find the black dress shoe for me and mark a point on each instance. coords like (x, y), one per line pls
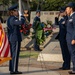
(12, 72)
(17, 72)
(38, 50)
(66, 68)
(62, 68)
(72, 72)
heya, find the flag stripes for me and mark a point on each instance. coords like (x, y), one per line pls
(4, 45)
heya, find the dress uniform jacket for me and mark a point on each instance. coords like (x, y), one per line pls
(36, 20)
(14, 29)
(62, 28)
(71, 28)
(71, 36)
(14, 38)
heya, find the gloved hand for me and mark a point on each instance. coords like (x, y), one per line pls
(20, 14)
(23, 19)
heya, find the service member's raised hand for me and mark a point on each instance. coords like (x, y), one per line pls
(73, 42)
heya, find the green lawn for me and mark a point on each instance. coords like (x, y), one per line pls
(32, 54)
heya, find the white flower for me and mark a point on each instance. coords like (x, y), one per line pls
(48, 25)
(31, 30)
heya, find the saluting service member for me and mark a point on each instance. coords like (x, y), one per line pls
(62, 39)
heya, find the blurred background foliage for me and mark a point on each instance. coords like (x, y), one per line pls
(46, 5)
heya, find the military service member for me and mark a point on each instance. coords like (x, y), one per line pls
(70, 37)
(34, 26)
(14, 38)
(62, 39)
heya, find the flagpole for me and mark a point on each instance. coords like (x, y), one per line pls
(19, 9)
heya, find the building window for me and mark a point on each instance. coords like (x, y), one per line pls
(51, 13)
(45, 13)
(57, 13)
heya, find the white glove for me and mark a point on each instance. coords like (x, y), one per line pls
(20, 14)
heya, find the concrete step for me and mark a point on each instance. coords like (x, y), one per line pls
(28, 42)
(52, 52)
(50, 57)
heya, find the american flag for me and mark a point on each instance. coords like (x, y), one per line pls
(4, 46)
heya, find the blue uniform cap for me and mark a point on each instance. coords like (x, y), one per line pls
(62, 9)
(14, 7)
(37, 11)
(71, 4)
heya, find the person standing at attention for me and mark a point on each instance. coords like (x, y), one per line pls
(14, 37)
(70, 37)
(34, 26)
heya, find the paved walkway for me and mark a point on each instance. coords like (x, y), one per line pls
(32, 71)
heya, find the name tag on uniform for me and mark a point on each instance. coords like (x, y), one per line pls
(70, 20)
(63, 22)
